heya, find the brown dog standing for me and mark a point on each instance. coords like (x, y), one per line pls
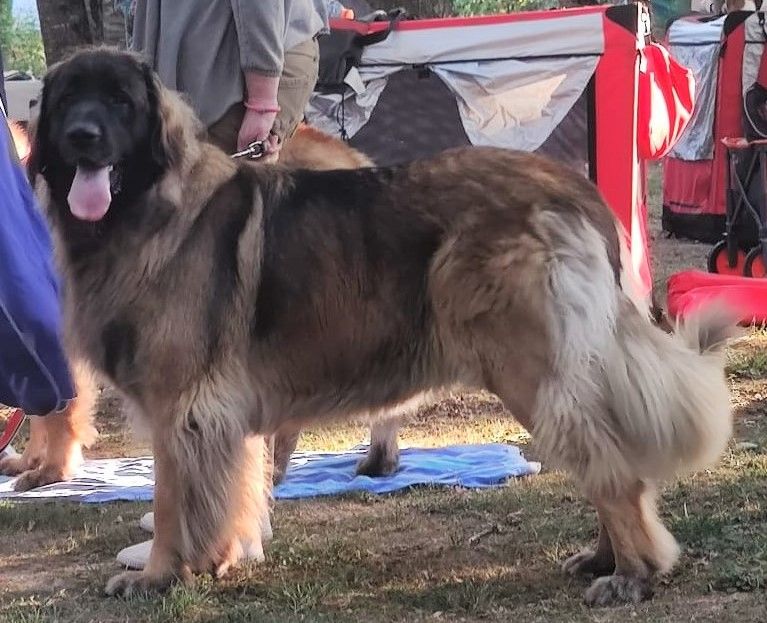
(228, 301)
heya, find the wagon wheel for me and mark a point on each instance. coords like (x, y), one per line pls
(717, 260)
(754, 265)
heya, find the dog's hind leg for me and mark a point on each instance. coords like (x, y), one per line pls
(382, 457)
(643, 546)
(34, 452)
(598, 562)
(64, 435)
(282, 445)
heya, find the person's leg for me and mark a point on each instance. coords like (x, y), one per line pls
(299, 76)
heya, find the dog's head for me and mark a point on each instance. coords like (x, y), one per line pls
(107, 130)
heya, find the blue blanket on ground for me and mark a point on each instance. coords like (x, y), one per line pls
(311, 474)
(33, 369)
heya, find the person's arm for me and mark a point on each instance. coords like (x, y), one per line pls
(260, 34)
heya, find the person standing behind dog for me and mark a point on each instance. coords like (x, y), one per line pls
(248, 67)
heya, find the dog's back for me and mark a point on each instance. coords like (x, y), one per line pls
(310, 148)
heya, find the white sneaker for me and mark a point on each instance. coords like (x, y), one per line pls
(266, 529)
(8, 452)
(136, 556)
(146, 523)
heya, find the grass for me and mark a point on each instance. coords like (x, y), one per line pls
(752, 367)
(429, 554)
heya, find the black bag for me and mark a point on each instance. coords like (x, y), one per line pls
(342, 49)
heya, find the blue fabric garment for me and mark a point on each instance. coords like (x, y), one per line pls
(34, 374)
(310, 474)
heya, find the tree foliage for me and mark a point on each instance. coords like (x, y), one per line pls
(485, 7)
(443, 8)
(21, 42)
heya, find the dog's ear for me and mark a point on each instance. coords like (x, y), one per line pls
(38, 130)
(172, 126)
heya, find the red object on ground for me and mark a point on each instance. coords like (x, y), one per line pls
(12, 427)
(758, 269)
(692, 289)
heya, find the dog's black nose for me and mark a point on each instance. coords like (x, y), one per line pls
(84, 133)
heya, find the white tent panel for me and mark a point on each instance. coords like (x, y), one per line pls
(697, 46)
(326, 110)
(569, 35)
(752, 53)
(687, 32)
(516, 104)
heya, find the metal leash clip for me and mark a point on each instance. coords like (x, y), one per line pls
(253, 151)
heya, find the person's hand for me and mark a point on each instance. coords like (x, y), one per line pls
(256, 126)
(261, 110)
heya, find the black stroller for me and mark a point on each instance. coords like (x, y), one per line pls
(743, 249)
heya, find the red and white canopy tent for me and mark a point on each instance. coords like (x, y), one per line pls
(565, 83)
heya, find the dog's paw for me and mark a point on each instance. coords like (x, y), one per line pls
(220, 567)
(618, 589)
(376, 464)
(239, 551)
(13, 465)
(588, 562)
(39, 477)
(132, 583)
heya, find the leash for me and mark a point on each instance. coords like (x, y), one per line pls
(254, 151)
(12, 427)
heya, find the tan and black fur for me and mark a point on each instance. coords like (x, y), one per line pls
(310, 148)
(227, 301)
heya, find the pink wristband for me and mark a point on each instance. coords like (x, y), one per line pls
(261, 109)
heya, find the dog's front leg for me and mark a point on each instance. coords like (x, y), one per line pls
(247, 524)
(165, 564)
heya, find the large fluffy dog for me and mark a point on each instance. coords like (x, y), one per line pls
(226, 301)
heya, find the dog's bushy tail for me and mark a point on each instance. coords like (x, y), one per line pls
(668, 392)
(626, 401)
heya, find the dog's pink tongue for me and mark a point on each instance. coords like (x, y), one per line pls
(89, 197)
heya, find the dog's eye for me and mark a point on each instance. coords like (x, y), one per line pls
(120, 101)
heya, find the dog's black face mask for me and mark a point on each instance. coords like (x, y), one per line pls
(98, 121)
